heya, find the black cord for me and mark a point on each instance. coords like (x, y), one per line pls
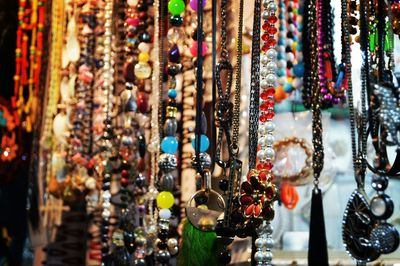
(199, 85)
(214, 85)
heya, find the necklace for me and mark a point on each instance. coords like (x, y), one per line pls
(317, 253)
(29, 46)
(169, 145)
(358, 205)
(227, 117)
(258, 193)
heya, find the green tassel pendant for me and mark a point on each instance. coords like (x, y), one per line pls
(198, 248)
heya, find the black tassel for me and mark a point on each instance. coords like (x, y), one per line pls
(317, 247)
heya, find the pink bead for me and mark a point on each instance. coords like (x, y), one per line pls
(132, 21)
(193, 4)
(193, 49)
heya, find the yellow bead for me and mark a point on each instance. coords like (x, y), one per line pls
(144, 57)
(165, 200)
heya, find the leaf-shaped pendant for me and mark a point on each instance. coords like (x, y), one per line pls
(60, 127)
(72, 45)
(64, 90)
(357, 225)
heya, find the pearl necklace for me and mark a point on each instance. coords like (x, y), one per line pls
(266, 153)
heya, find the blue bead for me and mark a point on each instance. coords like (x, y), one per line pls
(172, 93)
(288, 88)
(280, 72)
(169, 145)
(280, 56)
(298, 70)
(299, 47)
(281, 42)
(204, 143)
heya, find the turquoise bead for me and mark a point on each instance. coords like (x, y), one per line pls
(176, 7)
(204, 143)
(281, 56)
(280, 72)
(172, 93)
(169, 145)
(281, 42)
(288, 88)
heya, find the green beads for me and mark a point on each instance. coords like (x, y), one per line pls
(176, 7)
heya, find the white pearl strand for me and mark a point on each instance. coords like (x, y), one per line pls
(269, 78)
(108, 87)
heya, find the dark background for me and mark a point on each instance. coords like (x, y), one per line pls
(13, 200)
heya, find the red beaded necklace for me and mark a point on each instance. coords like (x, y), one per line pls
(29, 45)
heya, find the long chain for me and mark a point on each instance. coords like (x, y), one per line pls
(318, 155)
(358, 149)
(364, 43)
(238, 84)
(224, 109)
(161, 64)
(255, 86)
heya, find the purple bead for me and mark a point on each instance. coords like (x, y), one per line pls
(336, 100)
(193, 4)
(174, 56)
(141, 208)
(324, 91)
(328, 97)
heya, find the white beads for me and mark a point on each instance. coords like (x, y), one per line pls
(269, 153)
(290, 57)
(262, 129)
(165, 214)
(260, 242)
(270, 126)
(282, 64)
(272, 79)
(261, 154)
(269, 139)
(272, 7)
(265, 58)
(264, 83)
(269, 242)
(263, 72)
(272, 54)
(258, 256)
(271, 66)
(144, 47)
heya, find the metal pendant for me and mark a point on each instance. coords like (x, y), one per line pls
(357, 226)
(385, 238)
(204, 207)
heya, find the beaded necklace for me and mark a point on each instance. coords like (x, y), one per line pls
(31, 17)
(169, 145)
(258, 193)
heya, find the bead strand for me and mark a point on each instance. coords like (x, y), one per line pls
(266, 153)
(169, 145)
